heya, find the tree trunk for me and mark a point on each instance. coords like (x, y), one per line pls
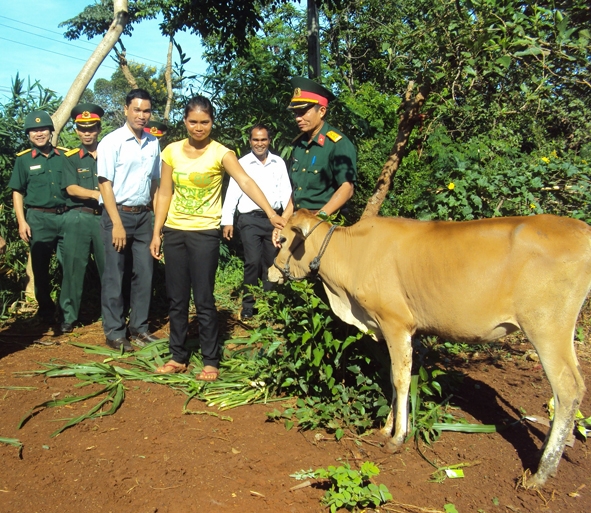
(168, 78)
(122, 61)
(408, 119)
(120, 17)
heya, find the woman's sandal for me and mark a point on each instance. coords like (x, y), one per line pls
(209, 376)
(171, 367)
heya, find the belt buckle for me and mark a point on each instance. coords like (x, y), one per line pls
(136, 209)
(60, 210)
(96, 212)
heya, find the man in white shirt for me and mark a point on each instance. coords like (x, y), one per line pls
(128, 169)
(270, 174)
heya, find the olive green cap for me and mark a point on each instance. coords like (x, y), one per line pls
(87, 114)
(307, 93)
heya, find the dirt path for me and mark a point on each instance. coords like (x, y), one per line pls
(149, 457)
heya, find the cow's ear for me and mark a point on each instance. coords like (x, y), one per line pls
(300, 230)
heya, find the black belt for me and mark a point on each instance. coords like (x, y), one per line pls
(96, 211)
(134, 210)
(256, 213)
(56, 210)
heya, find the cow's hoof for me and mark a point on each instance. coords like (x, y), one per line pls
(392, 446)
(530, 482)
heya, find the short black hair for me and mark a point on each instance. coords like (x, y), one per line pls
(260, 126)
(142, 94)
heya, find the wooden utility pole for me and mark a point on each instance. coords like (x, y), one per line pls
(313, 40)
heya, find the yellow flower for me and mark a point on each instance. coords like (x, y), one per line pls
(532, 205)
(451, 186)
(545, 159)
(554, 154)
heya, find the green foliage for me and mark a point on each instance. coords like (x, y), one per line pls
(254, 88)
(335, 376)
(482, 178)
(424, 413)
(350, 489)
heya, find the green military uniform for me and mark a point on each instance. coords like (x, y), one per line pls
(319, 167)
(38, 178)
(82, 221)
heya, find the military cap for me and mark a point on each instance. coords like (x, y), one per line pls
(155, 128)
(38, 119)
(87, 114)
(307, 93)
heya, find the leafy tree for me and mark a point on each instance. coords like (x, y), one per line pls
(110, 94)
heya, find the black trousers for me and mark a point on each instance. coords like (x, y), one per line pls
(191, 261)
(259, 252)
(139, 236)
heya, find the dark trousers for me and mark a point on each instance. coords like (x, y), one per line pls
(82, 233)
(256, 234)
(139, 235)
(191, 261)
(46, 237)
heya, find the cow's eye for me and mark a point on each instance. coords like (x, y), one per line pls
(282, 239)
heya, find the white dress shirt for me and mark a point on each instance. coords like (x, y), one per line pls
(272, 179)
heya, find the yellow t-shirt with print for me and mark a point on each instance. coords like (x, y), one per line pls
(197, 200)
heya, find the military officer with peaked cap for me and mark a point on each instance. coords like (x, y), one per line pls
(323, 164)
(82, 221)
(36, 184)
(156, 128)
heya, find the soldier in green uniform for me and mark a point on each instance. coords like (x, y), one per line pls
(36, 184)
(323, 164)
(82, 221)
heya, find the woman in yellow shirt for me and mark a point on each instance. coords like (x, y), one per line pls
(187, 217)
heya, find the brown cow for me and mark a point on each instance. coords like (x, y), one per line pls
(472, 281)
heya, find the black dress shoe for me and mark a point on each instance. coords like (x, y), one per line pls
(117, 343)
(66, 327)
(143, 339)
(247, 313)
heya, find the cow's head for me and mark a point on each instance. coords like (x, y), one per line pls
(294, 257)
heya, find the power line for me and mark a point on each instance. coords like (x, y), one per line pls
(50, 51)
(143, 59)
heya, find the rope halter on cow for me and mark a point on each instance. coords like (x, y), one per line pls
(315, 263)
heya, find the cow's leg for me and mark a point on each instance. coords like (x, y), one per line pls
(400, 349)
(557, 355)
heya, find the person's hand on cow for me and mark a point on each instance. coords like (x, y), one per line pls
(276, 237)
(278, 222)
(228, 232)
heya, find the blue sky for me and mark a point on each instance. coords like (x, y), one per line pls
(33, 45)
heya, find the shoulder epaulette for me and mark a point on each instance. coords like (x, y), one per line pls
(69, 153)
(333, 136)
(23, 152)
(298, 137)
(62, 148)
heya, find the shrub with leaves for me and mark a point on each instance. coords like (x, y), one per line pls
(350, 489)
(329, 366)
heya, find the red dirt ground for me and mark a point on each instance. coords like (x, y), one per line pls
(149, 457)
